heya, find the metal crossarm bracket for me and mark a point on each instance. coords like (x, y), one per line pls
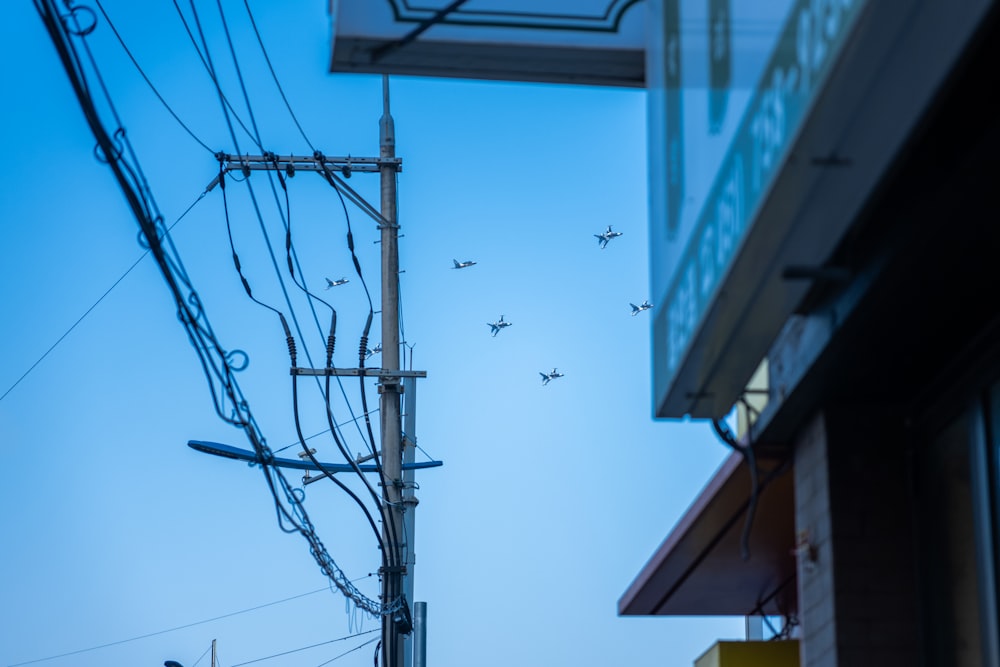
(356, 372)
(294, 163)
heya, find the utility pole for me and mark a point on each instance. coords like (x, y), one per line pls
(398, 500)
(393, 625)
(414, 645)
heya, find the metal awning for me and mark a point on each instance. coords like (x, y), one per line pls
(583, 42)
(699, 571)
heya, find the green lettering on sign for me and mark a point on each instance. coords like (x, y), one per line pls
(813, 34)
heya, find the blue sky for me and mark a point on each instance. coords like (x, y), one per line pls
(551, 498)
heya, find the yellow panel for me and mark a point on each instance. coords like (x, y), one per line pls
(751, 654)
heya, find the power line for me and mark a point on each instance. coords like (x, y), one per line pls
(202, 656)
(356, 648)
(101, 298)
(319, 433)
(205, 64)
(305, 648)
(217, 363)
(148, 82)
(275, 76)
(174, 629)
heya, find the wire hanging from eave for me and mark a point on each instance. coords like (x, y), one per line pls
(747, 451)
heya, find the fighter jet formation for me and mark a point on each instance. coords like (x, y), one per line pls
(495, 327)
(335, 283)
(551, 375)
(602, 239)
(645, 305)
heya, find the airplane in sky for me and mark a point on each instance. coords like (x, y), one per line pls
(645, 305)
(606, 236)
(372, 351)
(548, 377)
(495, 327)
(335, 283)
(461, 265)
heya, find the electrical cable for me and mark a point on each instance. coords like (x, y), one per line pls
(146, 79)
(326, 472)
(340, 446)
(202, 656)
(96, 303)
(214, 359)
(223, 100)
(387, 511)
(293, 265)
(257, 138)
(236, 257)
(332, 181)
(305, 648)
(390, 550)
(750, 457)
(356, 648)
(274, 76)
(173, 629)
(210, 70)
(319, 433)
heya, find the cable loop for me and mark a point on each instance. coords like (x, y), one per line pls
(119, 149)
(237, 354)
(76, 28)
(194, 301)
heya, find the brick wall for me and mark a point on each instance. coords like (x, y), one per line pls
(857, 587)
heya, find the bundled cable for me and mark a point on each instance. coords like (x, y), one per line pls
(219, 365)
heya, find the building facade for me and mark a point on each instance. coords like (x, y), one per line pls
(843, 247)
(824, 231)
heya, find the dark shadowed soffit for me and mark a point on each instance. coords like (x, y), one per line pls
(699, 569)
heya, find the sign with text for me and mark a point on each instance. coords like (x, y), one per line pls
(720, 127)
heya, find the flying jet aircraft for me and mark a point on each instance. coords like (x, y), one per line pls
(461, 265)
(373, 351)
(335, 283)
(645, 305)
(495, 327)
(548, 377)
(603, 239)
